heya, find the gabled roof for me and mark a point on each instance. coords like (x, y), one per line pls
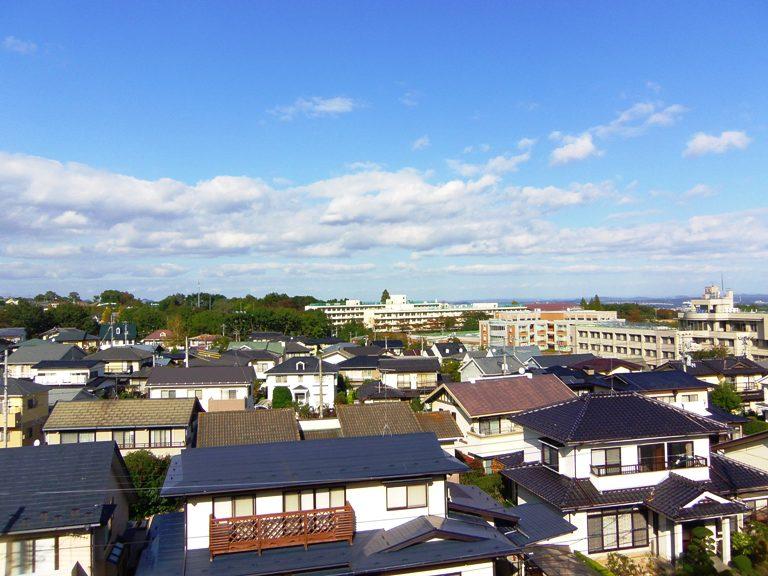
(449, 348)
(32, 478)
(21, 387)
(293, 464)
(731, 366)
(388, 344)
(757, 438)
(376, 390)
(200, 376)
(409, 364)
(617, 416)
(66, 364)
(162, 334)
(658, 381)
(680, 498)
(45, 351)
(302, 365)
(495, 365)
(246, 427)
(231, 358)
(128, 413)
(72, 335)
(119, 331)
(121, 353)
(729, 476)
(267, 336)
(440, 423)
(295, 348)
(547, 360)
(522, 353)
(472, 500)
(13, 332)
(605, 364)
(359, 363)
(377, 419)
(505, 395)
(350, 351)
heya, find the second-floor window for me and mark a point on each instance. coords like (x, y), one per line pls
(161, 438)
(606, 461)
(313, 499)
(409, 496)
(550, 456)
(77, 437)
(490, 425)
(690, 397)
(124, 438)
(237, 507)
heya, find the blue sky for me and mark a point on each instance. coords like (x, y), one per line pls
(441, 149)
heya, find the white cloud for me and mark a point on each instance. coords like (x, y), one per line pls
(19, 46)
(701, 143)
(555, 197)
(316, 107)
(410, 98)
(498, 165)
(421, 143)
(572, 148)
(699, 191)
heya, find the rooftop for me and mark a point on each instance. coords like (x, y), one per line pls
(659, 380)
(303, 365)
(200, 376)
(246, 427)
(127, 413)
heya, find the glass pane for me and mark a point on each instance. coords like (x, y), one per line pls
(69, 437)
(323, 498)
(609, 532)
(613, 456)
(244, 506)
(222, 508)
(396, 497)
(87, 437)
(307, 499)
(291, 501)
(417, 496)
(337, 497)
(625, 530)
(22, 552)
(595, 533)
(45, 555)
(640, 529)
(598, 457)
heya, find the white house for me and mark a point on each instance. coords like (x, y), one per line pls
(410, 372)
(213, 386)
(67, 372)
(633, 474)
(302, 376)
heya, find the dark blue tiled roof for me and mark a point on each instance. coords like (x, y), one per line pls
(673, 496)
(472, 500)
(226, 469)
(661, 380)
(359, 363)
(717, 413)
(549, 360)
(32, 479)
(731, 477)
(615, 416)
(537, 522)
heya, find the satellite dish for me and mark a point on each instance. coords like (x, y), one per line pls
(37, 443)
(521, 370)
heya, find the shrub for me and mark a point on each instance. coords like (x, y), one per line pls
(742, 544)
(698, 559)
(416, 405)
(489, 483)
(754, 426)
(281, 397)
(622, 565)
(743, 565)
(596, 566)
(340, 398)
(148, 474)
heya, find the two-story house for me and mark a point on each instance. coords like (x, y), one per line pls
(27, 411)
(448, 350)
(306, 378)
(477, 367)
(117, 334)
(483, 410)
(74, 336)
(410, 373)
(259, 360)
(633, 474)
(21, 363)
(67, 372)
(359, 369)
(163, 427)
(162, 337)
(216, 387)
(122, 361)
(64, 510)
(344, 506)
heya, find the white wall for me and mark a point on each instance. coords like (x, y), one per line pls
(209, 393)
(309, 381)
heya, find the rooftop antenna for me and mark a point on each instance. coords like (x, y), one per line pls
(198, 293)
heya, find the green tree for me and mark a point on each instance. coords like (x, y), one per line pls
(698, 558)
(26, 315)
(148, 474)
(384, 296)
(352, 329)
(450, 369)
(583, 303)
(281, 397)
(471, 320)
(725, 396)
(719, 351)
(594, 303)
(117, 297)
(416, 405)
(74, 297)
(69, 315)
(147, 318)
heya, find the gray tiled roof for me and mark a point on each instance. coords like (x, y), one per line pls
(32, 478)
(310, 366)
(659, 380)
(200, 376)
(246, 427)
(45, 351)
(547, 360)
(21, 387)
(409, 364)
(673, 496)
(294, 464)
(377, 419)
(121, 353)
(129, 413)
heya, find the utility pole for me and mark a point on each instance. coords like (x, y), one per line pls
(5, 400)
(186, 352)
(198, 293)
(320, 366)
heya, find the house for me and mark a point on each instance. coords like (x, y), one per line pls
(216, 387)
(203, 341)
(746, 375)
(247, 427)
(577, 380)
(633, 474)
(342, 506)
(391, 346)
(566, 360)
(415, 373)
(74, 336)
(295, 350)
(751, 450)
(64, 510)
(161, 337)
(163, 427)
(606, 366)
(311, 382)
(122, 361)
(14, 335)
(359, 369)
(487, 366)
(259, 360)
(448, 350)
(21, 363)
(27, 411)
(118, 334)
(268, 337)
(522, 354)
(483, 410)
(67, 372)
(375, 391)
(339, 352)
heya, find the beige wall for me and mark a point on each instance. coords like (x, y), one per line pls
(22, 420)
(142, 438)
(755, 455)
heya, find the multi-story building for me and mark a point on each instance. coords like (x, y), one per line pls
(647, 344)
(25, 415)
(216, 387)
(714, 320)
(397, 314)
(547, 329)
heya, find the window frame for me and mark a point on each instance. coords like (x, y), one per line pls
(548, 449)
(638, 535)
(314, 497)
(408, 505)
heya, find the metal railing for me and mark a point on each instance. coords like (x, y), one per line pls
(654, 465)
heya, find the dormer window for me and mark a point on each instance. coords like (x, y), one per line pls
(300, 366)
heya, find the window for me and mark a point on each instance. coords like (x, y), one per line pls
(124, 438)
(409, 496)
(32, 556)
(77, 437)
(679, 454)
(312, 499)
(490, 425)
(222, 508)
(606, 461)
(690, 397)
(243, 506)
(167, 393)
(403, 380)
(160, 438)
(667, 399)
(31, 402)
(617, 529)
(281, 379)
(232, 394)
(651, 457)
(549, 456)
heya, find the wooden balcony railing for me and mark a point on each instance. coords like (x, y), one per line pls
(674, 463)
(264, 531)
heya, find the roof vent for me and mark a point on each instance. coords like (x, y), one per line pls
(300, 366)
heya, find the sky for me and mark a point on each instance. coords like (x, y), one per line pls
(444, 150)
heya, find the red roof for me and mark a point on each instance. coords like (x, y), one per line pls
(159, 335)
(508, 394)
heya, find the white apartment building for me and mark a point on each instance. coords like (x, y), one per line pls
(651, 345)
(398, 314)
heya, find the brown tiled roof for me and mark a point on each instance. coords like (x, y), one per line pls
(109, 414)
(441, 423)
(321, 434)
(247, 427)
(377, 419)
(507, 395)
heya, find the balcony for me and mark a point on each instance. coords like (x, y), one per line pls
(674, 463)
(264, 531)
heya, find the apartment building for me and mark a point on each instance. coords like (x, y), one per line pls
(647, 344)
(547, 329)
(398, 314)
(26, 413)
